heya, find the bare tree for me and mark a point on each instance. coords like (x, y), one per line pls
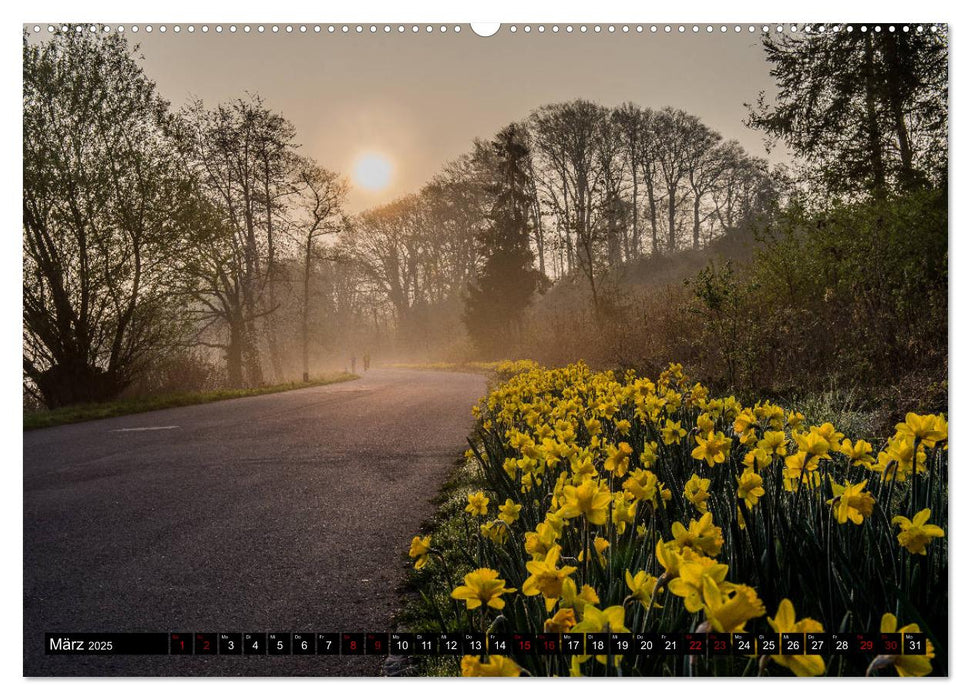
(568, 137)
(318, 203)
(672, 145)
(704, 167)
(631, 128)
(242, 152)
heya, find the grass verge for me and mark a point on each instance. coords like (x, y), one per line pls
(123, 407)
(427, 607)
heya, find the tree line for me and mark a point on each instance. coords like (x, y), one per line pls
(841, 299)
(151, 233)
(161, 245)
(599, 188)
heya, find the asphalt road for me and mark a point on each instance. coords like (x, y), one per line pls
(279, 513)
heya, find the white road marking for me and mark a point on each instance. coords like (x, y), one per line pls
(154, 427)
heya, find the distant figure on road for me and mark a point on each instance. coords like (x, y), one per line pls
(367, 361)
(353, 364)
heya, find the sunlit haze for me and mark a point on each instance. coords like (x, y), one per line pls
(373, 171)
(422, 98)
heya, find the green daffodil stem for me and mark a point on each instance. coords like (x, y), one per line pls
(662, 579)
(586, 550)
(495, 622)
(763, 665)
(878, 663)
(450, 582)
(913, 477)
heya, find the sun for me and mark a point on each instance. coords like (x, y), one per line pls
(372, 171)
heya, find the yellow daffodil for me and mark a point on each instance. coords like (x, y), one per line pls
(729, 611)
(618, 459)
(801, 467)
(562, 621)
(546, 577)
(583, 467)
(773, 442)
(509, 511)
(898, 459)
(622, 512)
(929, 429)
(907, 664)
(917, 534)
(642, 485)
(672, 432)
(750, 488)
(859, 453)
(669, 556)
(493, 666)
(700, 535)
(595, 620)
(539, 542)
(696, 492)
(649, 455)
(600, 546)
(744, 421)
(589, 499)
(785, 621)
(478, 504)
(713, 449)
(420, 547)
(758, 458)
(829, 432)
(812, 443)
(482, 587)
(494, 531)
(795, 419)
(775, 415)
(851, 502)
(641, 586)
(578, 600)
(599, 621)
(693, 572)
(593, 426)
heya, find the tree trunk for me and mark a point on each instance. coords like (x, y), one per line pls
(671, 216)
(305, 315)
(652, 204)
(234, 353)
(873, 128)
(269, 320)
(635, 239)
(696, 230)
(907, 174)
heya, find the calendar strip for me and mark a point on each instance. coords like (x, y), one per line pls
(475, 643)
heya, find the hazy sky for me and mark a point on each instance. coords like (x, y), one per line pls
(420, 99)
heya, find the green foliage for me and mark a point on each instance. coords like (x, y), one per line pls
(867, 110)
(852, 295)
(108, 206)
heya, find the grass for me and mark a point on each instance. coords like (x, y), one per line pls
(123, 407)
(426, 591)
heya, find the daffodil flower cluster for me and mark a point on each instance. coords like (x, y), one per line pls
(618, 503)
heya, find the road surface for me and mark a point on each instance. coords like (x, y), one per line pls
(279, 513)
